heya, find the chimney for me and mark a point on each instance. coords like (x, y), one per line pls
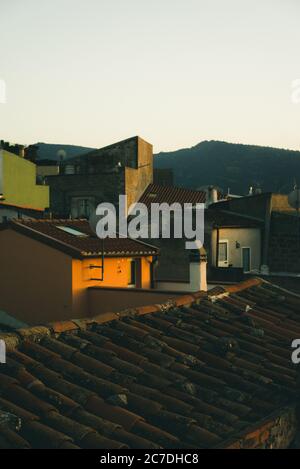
(21, 151)
(198, 268)
(31, 153)
(212, 196)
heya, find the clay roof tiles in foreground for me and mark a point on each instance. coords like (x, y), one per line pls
(50, 232)
(202, 371)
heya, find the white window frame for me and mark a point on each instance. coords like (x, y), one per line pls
(2, 352)
(223, 263)
(76, 200)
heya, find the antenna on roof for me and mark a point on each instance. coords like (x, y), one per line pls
(294, 198)
(61, 154)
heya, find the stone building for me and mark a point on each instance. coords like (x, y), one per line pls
(85, 181)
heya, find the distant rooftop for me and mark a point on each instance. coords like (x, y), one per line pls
(76, 238)
(170, 194)
(224, 219)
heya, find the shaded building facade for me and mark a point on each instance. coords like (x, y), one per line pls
(101, 175)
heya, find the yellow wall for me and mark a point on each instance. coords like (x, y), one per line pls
(18, 182)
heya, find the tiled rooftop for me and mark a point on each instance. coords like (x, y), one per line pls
(225, 219)
(199, 372)
(170, 194)
(90, 245)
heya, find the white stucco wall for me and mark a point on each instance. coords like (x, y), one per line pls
(245, 237)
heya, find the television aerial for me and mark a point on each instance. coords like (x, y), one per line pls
(61, 154)
(294, 198)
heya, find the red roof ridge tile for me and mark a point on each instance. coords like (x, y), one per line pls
(13, 339)
(252, 282)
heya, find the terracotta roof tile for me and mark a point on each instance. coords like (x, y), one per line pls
(63, 326)
(115, 414)
(11, 440)
(42, 436)
(86, 245)
(141, 310)
(14, 409)
(171, 194)
(62, 403)
(95, 441)
(156, 434)
(134, 441)
(179, 376)
(227, 219)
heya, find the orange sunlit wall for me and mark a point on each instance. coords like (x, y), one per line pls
(40, 284)
(116, 274)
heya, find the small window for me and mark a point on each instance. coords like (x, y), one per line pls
(132, 273)
(72, 231)
(69, 169)
(82, 207)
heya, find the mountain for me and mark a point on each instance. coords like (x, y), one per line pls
(51, 151)
(234, 166)
(226, 165)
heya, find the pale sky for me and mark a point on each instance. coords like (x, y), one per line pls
(175, 72)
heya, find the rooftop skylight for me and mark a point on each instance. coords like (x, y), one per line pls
(72, 231)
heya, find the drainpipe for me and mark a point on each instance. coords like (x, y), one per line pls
(266, 242)
(217, 248)
(152, 267)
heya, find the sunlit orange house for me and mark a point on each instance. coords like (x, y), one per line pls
(57, 269)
